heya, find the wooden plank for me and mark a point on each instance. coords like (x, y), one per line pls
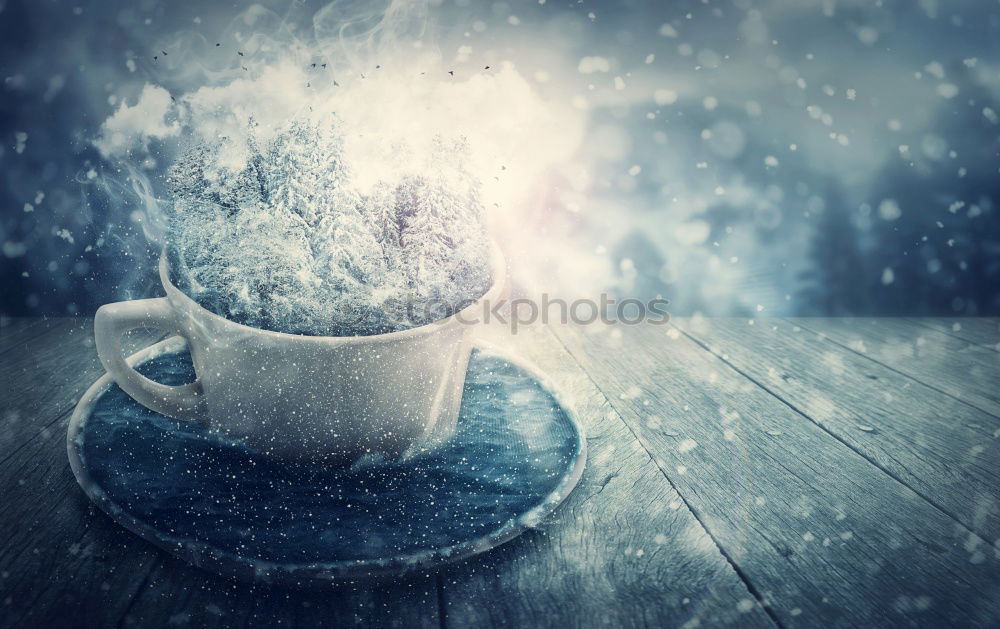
(60, 559)
(8, 322)
(983, 331)
(23, 371)
(623, 551)
(967, 372)
(941, 448)
(64, 559)
(17, 332)
(178, 594)
(45, 376)
(824, 535)
(12, 325)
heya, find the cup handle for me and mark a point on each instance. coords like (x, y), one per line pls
(114, 320)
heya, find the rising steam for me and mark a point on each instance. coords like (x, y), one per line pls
(375, 67)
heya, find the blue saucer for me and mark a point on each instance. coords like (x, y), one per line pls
(219, 504)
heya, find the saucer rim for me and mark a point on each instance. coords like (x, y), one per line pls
(313, 574)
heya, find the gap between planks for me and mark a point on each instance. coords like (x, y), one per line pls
(826, 430)
(963, 333)
(29, 332)
(65, 412)
(826, 336)
(608, 435)
(589, 359)
(751, 588)
(143, 582)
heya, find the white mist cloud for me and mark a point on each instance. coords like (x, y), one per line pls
(376, 76)
(390, 120)
(132, 127)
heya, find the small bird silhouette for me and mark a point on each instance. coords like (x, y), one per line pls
(451, 72)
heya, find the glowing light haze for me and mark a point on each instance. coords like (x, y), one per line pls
(381, 76)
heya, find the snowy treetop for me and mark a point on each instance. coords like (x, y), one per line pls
(283, 240)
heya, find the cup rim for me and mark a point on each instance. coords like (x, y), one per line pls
(498, 264)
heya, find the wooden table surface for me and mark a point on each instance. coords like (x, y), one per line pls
(807, 472)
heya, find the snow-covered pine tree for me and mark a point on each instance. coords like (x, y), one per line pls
(442, 237)
(285, 242)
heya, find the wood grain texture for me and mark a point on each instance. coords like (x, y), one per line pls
(45, 372)
(825, 536)
(22, 334)
(983, 331)
(15, 330)
(61, 560)
(710, 488)
(175, 593)
(966, 371)
(623, 551)
(943, 449)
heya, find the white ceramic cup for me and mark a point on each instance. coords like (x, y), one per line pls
(295, 397)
